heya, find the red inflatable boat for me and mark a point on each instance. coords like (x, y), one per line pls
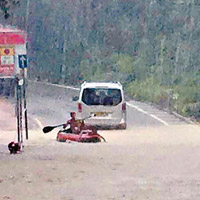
(83, 136)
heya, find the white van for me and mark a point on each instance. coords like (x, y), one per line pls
(104, 102)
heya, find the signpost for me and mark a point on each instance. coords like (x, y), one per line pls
(25, 108)
(7, 60)
(23, 61)
(18, 112)
(13, 64)
(23, 64)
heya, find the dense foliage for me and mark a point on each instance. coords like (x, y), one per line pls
(151, 46)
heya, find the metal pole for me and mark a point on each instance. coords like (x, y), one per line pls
(17, 109)
(25, 108)
(20, 112)
(23, 73)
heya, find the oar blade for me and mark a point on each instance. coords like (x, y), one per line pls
(48, 129)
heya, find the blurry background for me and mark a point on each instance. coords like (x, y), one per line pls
(150, 46)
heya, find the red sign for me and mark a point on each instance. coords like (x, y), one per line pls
(12, 38)
(7, 61)
(7, 70)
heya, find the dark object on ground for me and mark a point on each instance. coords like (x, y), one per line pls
(14, 147)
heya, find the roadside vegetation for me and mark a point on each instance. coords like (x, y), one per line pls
(151, 47)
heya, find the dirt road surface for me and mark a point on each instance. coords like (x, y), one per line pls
(138, 164)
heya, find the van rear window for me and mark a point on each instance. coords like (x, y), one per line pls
(101, 96)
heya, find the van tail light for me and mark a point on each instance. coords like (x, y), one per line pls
(124, 107)
(80, 108)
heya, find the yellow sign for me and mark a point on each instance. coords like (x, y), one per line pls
(7, 51)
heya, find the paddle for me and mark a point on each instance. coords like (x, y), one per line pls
(47, 129)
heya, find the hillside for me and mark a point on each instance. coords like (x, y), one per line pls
(151, 47)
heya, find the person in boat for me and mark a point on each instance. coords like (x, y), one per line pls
(76, 126)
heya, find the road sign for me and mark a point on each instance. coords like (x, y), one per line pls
(7, 60)
(23, 61)
(7, 51)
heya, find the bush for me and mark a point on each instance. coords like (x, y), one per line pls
(150, 90)
(184, 99)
